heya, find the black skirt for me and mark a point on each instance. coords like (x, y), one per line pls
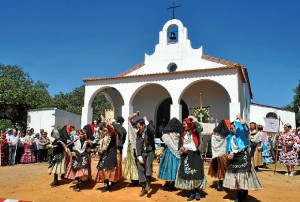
(108, 159)
(191, 166)
(241, 162)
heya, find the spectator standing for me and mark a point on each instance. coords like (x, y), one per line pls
(28, 156)
(288, 156)
(12, 147)
(3, 149)
(36, 145)
(20, 148)
(43, 150)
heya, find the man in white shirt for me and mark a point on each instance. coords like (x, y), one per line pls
(12, 143)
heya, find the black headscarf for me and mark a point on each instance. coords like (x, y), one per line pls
(222, 128)
(173, 125)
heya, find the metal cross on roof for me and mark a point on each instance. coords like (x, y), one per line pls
(174, 7)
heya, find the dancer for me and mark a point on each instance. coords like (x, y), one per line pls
(79, 167)
(218, 163)
(129, 153)
(240, 174)
(57, 163)
(190, 175)
(170, 157)
(145, 147)
(110, 163)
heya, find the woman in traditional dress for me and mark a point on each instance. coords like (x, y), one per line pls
(240, 174)
(218, 163)
(266, 149)
(110, 162)
(57, 163)
(28, 156)
(190, 175)
(169, 162)
(3, 150)
(288, 155)
(78, 168)
(256, 145)
(130, 171)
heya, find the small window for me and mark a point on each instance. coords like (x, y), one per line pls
(272, 115)
(172, 67)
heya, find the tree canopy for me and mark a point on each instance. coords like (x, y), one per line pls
(19, 93)
(295, 104)
(74, 101)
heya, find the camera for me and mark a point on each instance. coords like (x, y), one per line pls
(138, 113)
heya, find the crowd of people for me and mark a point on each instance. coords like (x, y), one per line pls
(238, 151)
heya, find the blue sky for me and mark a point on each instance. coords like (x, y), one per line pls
(60, 42)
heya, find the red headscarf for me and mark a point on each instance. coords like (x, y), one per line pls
(192, 127)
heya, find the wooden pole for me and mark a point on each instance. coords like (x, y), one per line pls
(200, 102)
(277, 142)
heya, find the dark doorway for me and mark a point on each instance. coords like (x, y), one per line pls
(163, 114)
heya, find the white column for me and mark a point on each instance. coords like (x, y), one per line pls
(176, 111)
(87, 115)
(234, 109)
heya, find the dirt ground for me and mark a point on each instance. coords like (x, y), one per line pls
(31, 182)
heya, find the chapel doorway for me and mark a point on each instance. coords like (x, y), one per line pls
(163, 114)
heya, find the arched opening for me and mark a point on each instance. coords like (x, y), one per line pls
(173, 34)
(163, 114)
(271, 115)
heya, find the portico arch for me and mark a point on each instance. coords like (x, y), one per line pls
(214, 96)
(147, 99)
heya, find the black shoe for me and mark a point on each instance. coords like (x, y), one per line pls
(62, 177)
(167, 184)
(54, 184)
(143, 192)
(76, 188)
(192, 196)
(134, 183)
(244, 194)
(220, 189)
(105, 189)
(172, 186)
(197, 196)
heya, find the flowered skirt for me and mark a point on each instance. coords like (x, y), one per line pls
(240, 173)
(79, 167)
(190, 173)
(168, 166)
(288, 157)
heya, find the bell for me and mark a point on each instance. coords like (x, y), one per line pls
(172, 36)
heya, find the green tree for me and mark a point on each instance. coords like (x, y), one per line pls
(19, 93)
(100, 103)
(295, 104)
(74, 101)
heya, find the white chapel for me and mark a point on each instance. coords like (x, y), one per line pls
(174, 81)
